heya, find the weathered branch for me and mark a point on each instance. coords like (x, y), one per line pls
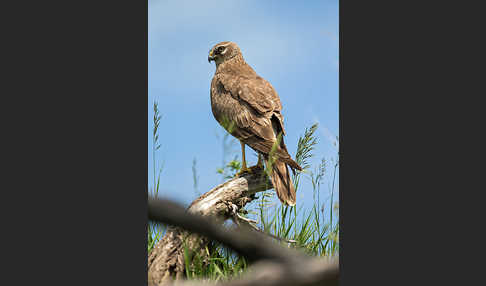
(253, 245)
(166, 260)
(276, 265)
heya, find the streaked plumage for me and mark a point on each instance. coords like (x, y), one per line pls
(248, 107)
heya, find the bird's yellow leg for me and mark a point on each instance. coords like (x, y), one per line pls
(243, 158)
(243, 169)
(260, 161)
(258, 166)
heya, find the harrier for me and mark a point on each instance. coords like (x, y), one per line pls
(248, 107)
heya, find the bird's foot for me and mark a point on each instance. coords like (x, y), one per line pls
(252, 170)
(242, 172)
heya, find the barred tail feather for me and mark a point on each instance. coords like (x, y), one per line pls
(282, 183)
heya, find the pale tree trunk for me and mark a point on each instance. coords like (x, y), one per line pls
(166, 260)
(273, 264)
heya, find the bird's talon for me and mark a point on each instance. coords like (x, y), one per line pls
(242, 171)
(255, 169)
(251, 170)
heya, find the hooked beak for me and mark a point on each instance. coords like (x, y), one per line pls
(210, 57)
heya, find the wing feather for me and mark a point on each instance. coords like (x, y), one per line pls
(253, 117)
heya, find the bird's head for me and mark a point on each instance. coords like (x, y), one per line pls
(223, 51)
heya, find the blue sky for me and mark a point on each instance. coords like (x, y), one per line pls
(295, 47)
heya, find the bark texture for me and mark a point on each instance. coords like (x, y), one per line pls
(166, 260)
(273, 264)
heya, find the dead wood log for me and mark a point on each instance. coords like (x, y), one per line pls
(166, 260)
(277, 266)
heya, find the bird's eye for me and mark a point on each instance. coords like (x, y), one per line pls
(220, 49)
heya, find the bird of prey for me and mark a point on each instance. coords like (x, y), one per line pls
(248, 107)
